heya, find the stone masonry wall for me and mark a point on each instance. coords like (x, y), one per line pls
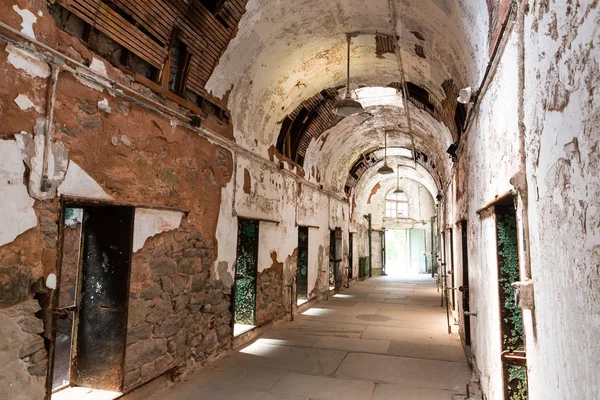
(178, 314)
(269, 294)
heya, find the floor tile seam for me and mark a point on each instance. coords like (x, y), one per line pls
(403, 384)
(353, 351)
(278, 380)
(414, 358)
(408, 327)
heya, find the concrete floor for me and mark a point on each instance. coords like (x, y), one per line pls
(384, 338)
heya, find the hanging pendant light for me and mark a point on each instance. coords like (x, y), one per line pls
(385, 169)
(398, 190)
(348, 106)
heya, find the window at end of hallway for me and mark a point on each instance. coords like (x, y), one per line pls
(396, 205)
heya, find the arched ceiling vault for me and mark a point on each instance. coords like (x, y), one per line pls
(286, 52)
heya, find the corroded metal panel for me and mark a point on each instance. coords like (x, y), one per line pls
(246, 271)
(103, 294)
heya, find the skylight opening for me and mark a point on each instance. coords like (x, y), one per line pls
(379, 96)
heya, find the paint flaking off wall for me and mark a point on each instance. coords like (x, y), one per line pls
(16, 213)
(150, 222)
(78, 183)
(28, 20)
(25, 61)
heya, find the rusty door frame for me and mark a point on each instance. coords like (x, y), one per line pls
(75, 202)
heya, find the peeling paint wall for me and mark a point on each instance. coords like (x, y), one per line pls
(105, 148)
(562, 119)
(17, 213)
(495, 127)
(556, 109)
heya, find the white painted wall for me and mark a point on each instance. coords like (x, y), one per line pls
(561, 107)
(491, 156)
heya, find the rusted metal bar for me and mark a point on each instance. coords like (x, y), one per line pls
(518, 358)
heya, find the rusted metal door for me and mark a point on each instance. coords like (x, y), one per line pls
(338, 258)
(383, 271)
(331, 259)
(451, 270)
(102, 295)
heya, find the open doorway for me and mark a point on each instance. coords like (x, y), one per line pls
(246, 269)
(405, 252)
(350, 256)
(88, 354)
(512, 335)
(335, 259)
(302, 268)
(331, 259)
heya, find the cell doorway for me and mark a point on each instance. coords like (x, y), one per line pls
(90, 314)
(246, 269)
(302, 268)
(405, 252)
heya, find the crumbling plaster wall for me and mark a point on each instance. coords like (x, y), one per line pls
(420, 203)
(131, 155)
(491, 154)
(282, 203)
(556, 108)
(562, 119)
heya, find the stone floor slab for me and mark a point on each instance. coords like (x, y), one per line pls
(419, 373)
(403, 392)
(322, 388)
(353, 344)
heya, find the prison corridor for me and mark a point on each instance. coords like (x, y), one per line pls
(383, 338)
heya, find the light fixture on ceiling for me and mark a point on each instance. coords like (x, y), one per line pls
(385, 169)
(465, 95)
(398, 190)
(347, 106)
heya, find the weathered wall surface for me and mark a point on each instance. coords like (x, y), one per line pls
(562, 120)
(179, 311)
(556, 106)
(491, 154)
(282, 203)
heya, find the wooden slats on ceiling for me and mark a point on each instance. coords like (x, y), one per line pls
(384, 44)
(146, 28)
(317, 117)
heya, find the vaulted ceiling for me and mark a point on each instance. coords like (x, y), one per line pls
(286, 53)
